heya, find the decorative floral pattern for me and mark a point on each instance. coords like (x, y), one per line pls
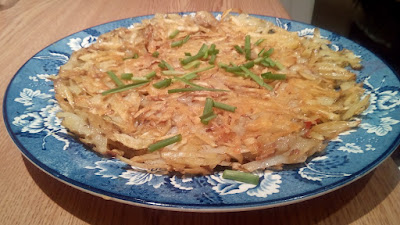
(32, 117)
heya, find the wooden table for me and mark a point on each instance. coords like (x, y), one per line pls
(29, 196)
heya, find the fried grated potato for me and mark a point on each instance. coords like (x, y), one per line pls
(318, 100)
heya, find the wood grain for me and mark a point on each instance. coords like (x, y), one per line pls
(29, 196)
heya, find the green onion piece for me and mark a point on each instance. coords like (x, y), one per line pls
(188, 54)
(233, 69)
(249, 64)
(256, 78)
(268, 62)
(208, 108)
(279, 65)
(124, 87)
(205, 53)
(114, 77)
(258, 60)
(247, 47)
(223, 106)
(155, 54)
(207, 119)
(259, 41)
(261, 52)
(272, 76)
(189, 76)
(212, 59)
(126, 76)
(165, 65)
(239, 49)
(193, 64)
(162, 83)
(241, 176)
(199, 70)
(165, 142)
(211, 50)
(268, 53)
(139, 79)
(173, 34)
(180, 42)
(150, 75)
(189, 83)
(200, 54)
(172, 72)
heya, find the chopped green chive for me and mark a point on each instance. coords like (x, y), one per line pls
(189, 76)
(172, 72)
(208, 113)
(126, 76)
(212, 50)
(247, 47)
(268, 53)
(207, 119)
(279, 65)
(124, 87)
(173, 34)
(165, 65)
(239, 49)
(268, 62)
(189, 83)
(170, 91)
(180, 42)
(259, 41)
(193, 64)
(155, 54)
(139, 79)
(256, 78)
(198, 70)
(188, 54)
(223, 106)
(114, 77)
(212, 59)
(271, 76)
(241, 176)
(150, 75)
(165, 142)
(199, 55)
(261, 52)
(163, 83)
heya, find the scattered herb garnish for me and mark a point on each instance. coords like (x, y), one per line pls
(247, 47)
(272, 76)
(155, 54)
(126, 76)
(256, 78)
(199, 54)
(165, 142)
(174, 34)
(114, 77)
(162, 83)
(125, 87)
(241, 176)
(259, 41)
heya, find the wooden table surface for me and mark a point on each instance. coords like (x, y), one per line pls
(29, 196)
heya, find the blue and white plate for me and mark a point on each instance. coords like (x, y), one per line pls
(30, 116)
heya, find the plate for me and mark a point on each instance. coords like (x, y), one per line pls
(30, 116)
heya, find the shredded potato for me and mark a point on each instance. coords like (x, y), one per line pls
(318, 99)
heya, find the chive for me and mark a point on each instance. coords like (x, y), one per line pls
(155, 54)
(258, 60)
(249, 64)
(261, 52)
(193, 64)
(268, 62)
(223, 106)
(189, 76)
(150, 75)
(205, 53)
(189, 83)
(223, 65)
(247, 47)
(208, 107)
(200, 54)
(165, 142)
(233, 69)
(126, 76)
(165, 65)
(212, 50)
(268, 53)
(212, 59)
(124, 87)
(188, 54)
(114, 77)
(207, 119)
(271, 76)
(259, 41)
(241, 176)
(139, 79)
(172, 72)
(180, 42)
(173, 34)
(199, 70)
(256, 78)
(163, 83)
(239, 49)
